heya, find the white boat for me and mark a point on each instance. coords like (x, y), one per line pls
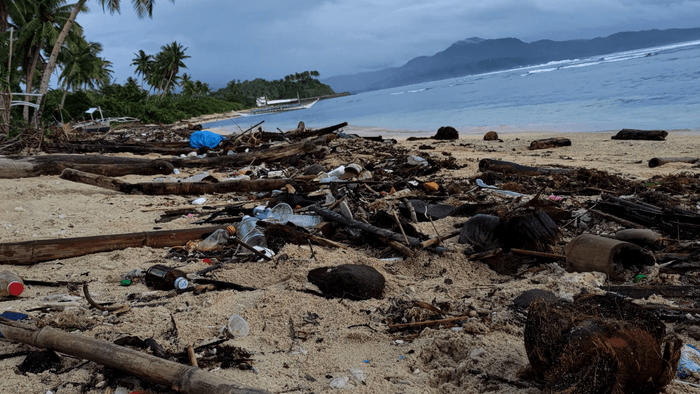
(100, 125)
(273, 106)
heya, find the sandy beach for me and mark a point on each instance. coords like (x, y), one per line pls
(333, 338)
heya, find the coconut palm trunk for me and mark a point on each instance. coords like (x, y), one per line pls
(46, 77)
(30, 79)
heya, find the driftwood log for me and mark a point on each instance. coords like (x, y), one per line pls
(183, 378)
(550, 143)
(31, 252)
(507, 167)
(659, 161)
(303, 132)
(110, 147)
(271, 154)
(633, 134)
(32, 166)
(179, 188)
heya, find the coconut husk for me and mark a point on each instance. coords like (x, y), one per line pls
(599, 345)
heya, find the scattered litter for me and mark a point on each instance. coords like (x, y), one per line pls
(199, 201)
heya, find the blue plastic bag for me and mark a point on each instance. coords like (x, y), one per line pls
(205, 139)
(688, 365)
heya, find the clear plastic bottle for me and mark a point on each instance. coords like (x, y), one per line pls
(161, 277)
(217, 239)
(249, 233)
(10, 284)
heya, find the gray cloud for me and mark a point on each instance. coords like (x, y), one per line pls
(270, 39)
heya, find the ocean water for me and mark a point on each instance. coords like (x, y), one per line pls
(653, 88)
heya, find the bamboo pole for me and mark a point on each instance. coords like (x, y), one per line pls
(183, 378)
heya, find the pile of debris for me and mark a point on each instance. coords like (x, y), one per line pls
(326, 189)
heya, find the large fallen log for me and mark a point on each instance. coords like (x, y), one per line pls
(32, 166)
(95, 146)
(179, 188)
(31, 252)
(659, 161)
(182, 378)
(507, 167)
(633, 134)
(550, 143)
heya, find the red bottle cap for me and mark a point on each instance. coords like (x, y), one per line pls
(15, 288)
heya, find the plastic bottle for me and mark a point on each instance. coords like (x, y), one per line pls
(217, 239)
(10, 284)
(249, 233)
(161, 277)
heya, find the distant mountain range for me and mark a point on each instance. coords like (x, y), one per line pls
(477, 55)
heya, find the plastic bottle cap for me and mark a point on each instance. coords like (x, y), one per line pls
(15, 288)
(181, 283)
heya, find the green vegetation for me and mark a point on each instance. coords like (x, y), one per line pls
(130, 100)
(304, 84)
(46, 37)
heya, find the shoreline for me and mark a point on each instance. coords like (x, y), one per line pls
(402, 134)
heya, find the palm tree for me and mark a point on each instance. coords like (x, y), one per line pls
(38, 23)
(142, 8)
(82, 67)
(203, 90)
(188, 86)
(171, 61)
(143, 63)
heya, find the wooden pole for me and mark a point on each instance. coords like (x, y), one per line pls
(183, 378)
(31, 252)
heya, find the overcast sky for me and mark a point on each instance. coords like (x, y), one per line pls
(233, 39)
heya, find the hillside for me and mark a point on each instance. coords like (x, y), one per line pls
(476, 55)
